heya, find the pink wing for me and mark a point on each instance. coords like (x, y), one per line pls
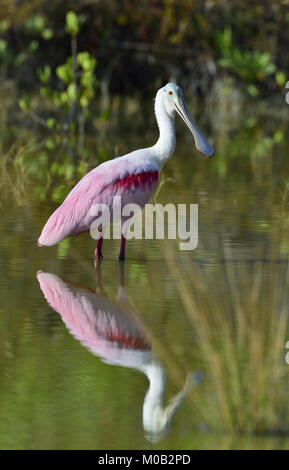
(133, 179)
(99, 323)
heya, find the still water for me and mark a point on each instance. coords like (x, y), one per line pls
(171, 349)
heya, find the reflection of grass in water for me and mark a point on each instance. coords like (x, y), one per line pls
(63, 247)
(13, 179)
(241, 332)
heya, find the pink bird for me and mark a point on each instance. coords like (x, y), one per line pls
(116, 333)
(103, 325)
(133, 176)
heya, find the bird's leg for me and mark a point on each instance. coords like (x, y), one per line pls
(121, 295)
(98, 252)
(122, 249)
(99, 287)
(121, 276)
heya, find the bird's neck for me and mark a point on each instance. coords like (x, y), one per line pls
(153, 402)
(165, 146)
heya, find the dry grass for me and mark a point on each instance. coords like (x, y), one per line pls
(240, 318)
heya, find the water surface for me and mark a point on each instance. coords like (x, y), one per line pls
(208, 327)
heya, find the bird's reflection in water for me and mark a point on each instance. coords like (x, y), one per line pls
(112, 330)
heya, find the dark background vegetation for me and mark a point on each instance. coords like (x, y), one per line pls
(141, 44)
(77, 77)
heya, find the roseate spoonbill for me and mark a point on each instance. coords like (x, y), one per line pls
(133, 177)
(114, 331)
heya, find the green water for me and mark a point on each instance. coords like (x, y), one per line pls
(217, 315)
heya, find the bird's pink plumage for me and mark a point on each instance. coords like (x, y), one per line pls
(134, 179)
(96, 321)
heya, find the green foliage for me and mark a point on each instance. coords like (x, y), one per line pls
(65, 71)
(24, 102)
(87, 78)
(35, 28)
(37, 25)
(281, 78)
(82, 89)
(44, 74)
(251, 66)
(72, 23)
(76, 77)
(3, 47)
(4, 25)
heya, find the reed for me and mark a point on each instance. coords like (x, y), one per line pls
(239, 316)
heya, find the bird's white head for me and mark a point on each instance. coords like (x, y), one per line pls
(172, 98)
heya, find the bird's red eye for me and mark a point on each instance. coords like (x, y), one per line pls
(170, 92)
